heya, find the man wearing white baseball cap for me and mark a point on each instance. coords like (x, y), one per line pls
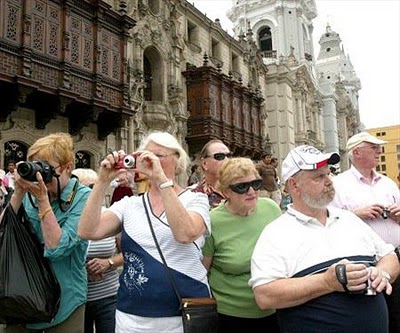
(313, 263)
(306, 158)
(374, 198)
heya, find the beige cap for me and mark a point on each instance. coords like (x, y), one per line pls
(359, 138)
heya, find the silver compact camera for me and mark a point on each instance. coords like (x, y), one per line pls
(369, 291)
(385, 213)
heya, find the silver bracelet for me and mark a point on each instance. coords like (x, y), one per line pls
(168, 183)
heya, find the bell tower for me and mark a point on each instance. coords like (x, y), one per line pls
(340, 86)
(279, 27)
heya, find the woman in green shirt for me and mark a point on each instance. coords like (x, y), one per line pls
(236, 225)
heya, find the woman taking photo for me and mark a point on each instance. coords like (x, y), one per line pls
(236, 225)
(146, 298)
(53, 200)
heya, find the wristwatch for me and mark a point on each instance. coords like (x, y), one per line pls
(168, 183)
(111, 262)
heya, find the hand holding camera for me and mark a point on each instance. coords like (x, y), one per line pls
(353, 276)
(27, 170)
(143, 163)
(375, 280)
(33, 177)
(385, 213)
(127, 161)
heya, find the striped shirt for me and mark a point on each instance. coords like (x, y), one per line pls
(108, 286)
(144, 286)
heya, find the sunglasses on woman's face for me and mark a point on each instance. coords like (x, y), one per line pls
(242, 188)
(220, 156)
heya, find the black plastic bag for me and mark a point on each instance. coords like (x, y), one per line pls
(29, 290)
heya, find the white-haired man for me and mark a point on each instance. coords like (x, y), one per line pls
(314, 262)
(374, 198)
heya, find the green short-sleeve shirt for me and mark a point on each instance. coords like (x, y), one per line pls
(231, 245)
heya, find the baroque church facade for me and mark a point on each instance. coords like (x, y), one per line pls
(109, 72)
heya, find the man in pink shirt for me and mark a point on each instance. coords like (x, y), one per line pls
(374, 198)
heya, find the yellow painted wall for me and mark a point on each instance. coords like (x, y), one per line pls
(390, 158)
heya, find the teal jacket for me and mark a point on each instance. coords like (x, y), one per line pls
(68, 258)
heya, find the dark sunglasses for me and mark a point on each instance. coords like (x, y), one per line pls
(242, 188)
(221, 156)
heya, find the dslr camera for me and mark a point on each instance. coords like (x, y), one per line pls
(27, 170)
(127, 162)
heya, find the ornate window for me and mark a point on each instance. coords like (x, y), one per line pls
(82, 159)
(14, 151)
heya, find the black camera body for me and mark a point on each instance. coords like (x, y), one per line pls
(27, 170)
(385, 213)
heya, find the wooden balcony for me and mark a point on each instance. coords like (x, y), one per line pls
(65, 58)
(222, 108)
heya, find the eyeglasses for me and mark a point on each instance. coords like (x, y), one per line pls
(242, 188)
(373, 147)
(165, 156)
(220, 156)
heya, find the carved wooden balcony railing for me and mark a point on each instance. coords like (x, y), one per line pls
(65, 57)
(222, 108)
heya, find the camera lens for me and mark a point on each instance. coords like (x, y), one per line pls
(129, 162)
(27, 170)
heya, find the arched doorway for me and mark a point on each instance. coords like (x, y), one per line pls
(153, 75)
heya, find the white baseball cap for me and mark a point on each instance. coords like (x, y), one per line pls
(306, 158)
(359, 138)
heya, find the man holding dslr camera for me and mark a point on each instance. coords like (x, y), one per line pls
(53, 200)
(375, 199)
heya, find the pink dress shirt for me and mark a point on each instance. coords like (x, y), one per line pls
(354, 191)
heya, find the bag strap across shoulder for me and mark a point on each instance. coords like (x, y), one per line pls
(167, 269)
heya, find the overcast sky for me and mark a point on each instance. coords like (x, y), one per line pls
(370, 34)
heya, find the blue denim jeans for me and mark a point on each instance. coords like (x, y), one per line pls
(101, 314)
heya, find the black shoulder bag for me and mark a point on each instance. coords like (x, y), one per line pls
(199, 315)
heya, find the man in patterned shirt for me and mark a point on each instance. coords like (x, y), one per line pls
(212, 156)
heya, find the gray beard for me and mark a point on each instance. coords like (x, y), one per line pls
(319, 202)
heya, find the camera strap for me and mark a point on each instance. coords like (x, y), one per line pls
(65, 205)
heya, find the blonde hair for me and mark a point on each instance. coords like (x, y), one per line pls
(57, 147)
(166, 140)
(86, 176)
(233, 169)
